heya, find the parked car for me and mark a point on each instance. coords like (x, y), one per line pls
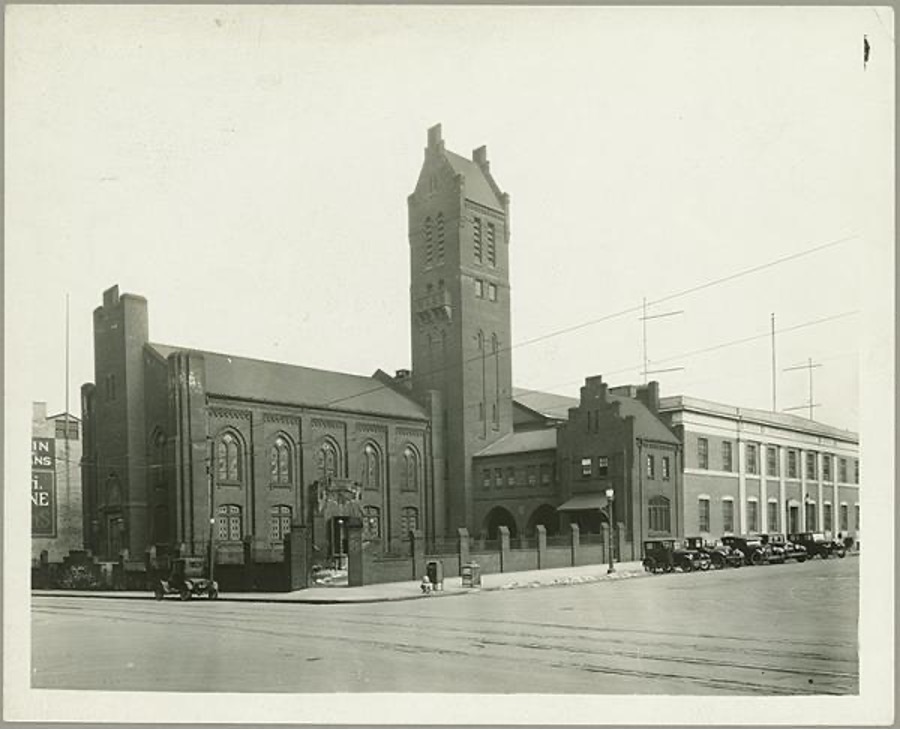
(778, 544)
(817, 544)
(720, 556)
(663, 556)
(187, 578)
(751, 547)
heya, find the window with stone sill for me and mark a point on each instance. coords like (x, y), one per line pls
(279, 522)
(510, 477)
(792, 464)
(228, 523)
(703, 515)
(666, 469)
(602, 466)
(845, 517)
(280, 463)
(772, 517)
(229, 460)
(532, 476)
(409, 478)
(586, 467)
(371, 467)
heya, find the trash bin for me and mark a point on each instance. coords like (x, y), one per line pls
(434, 569)
(471, 575)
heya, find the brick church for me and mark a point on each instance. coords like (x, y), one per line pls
(183, 446)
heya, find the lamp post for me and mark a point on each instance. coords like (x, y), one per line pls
(610, 494)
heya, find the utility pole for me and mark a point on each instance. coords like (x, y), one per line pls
(66, 416)
(810, 365)
(774, 400)
(210, 491)
(644, 319)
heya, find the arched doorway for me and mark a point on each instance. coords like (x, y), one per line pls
(544, 515)
(496, 518)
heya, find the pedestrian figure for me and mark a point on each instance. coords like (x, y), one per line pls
(426, 585)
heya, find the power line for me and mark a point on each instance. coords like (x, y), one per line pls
(623, 312)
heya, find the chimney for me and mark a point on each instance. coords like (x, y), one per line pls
(111, 296)
(479, 156)
(435, 140)
(401, 374)
(649, 396)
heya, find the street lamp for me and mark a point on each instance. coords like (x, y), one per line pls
(610, 493)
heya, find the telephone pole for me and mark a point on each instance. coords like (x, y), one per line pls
(809, 367)
(774, 400)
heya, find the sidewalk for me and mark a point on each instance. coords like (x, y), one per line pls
(402, 591)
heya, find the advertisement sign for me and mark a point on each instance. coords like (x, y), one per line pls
(43, 487)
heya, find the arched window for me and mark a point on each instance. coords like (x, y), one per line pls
(328, 461)
(371, 468)
(280, 462)
(228, 523)
(371, 523)
(659, 514)
(279, 522)
(229, 467)
(410, 477)
(409, 521)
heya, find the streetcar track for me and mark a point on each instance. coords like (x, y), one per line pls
(226, 621)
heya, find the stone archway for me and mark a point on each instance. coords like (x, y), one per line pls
(496, 518)
(545, 515)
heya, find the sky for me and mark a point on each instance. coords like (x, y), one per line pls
(246, 170)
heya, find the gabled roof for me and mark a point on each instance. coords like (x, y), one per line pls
(553, 405)
(478, 188)
(521, 441)
(262, 380)
(550, 405)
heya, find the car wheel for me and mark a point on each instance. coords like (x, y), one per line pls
(650, 565)
(686, 566)
(841, 553)
(185, 594)
(704, 565)
(801, 558)
(213, 594)
(718, 562)
(756, 559)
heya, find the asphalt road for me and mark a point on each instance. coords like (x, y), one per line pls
(775, 630)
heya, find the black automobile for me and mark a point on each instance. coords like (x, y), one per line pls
(778, 544)
(817, 544)
(187, 578)
(751, 547)
(664, 556)
(720, 556)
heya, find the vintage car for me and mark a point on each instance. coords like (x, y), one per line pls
(663, 556)
(778, 544)
(817, 544)
(187, 578)
(751, 547)
(720, 556)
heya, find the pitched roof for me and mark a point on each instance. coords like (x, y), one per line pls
(557, 406)
(478, 189)
(262, 380)
(520, 441)
(551, 405)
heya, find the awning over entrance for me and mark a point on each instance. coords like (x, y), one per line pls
(584, 502)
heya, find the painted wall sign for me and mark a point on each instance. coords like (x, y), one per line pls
(43, 487)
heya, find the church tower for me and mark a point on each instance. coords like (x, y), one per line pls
(460, 309)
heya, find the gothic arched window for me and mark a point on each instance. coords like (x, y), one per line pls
(280, 462)
(440, 239)
(410, 476)
(371, 468)
(229, 467)
(328, 462)
(409, 521)
(371, 523)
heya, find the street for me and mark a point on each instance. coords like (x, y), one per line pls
(773, 630)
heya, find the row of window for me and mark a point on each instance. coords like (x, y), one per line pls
(482, 252)
(772, 515)
(480, 289)
(545, 474)
(230, 467)
(434, 241)
(753, 467)
(587, 467)
(230, 527)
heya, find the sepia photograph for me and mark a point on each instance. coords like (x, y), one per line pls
(449, 364)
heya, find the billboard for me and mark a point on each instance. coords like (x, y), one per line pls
(43, 487)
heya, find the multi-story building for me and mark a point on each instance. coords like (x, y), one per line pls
(748, 470)
(57, 517)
